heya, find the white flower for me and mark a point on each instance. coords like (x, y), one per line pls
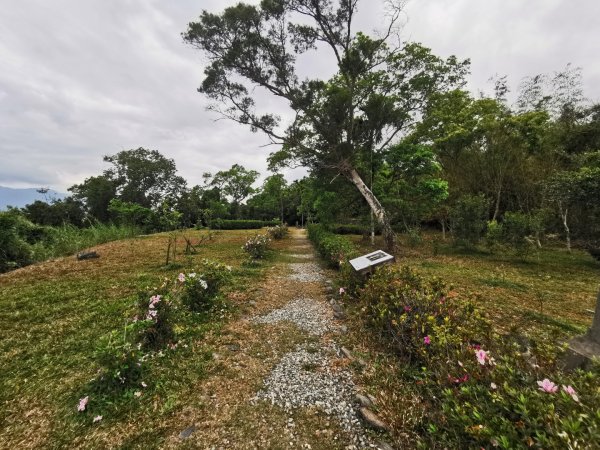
(97, 419)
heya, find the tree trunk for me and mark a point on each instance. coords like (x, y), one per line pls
(382, 217)
(372, 229)
(497, 209)
(563, 215)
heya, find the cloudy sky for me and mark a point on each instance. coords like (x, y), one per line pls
(80, 79)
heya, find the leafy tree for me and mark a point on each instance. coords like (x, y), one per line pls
(96, 193)
(377, 93)
(468, 219)
(577, 190)
(144, 177)
(236, 183)
(410, 183)
(271, 199)
(56, 213)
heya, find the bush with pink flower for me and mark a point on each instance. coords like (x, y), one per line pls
(480, 388)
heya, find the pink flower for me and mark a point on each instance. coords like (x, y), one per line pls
(342, 291)
(151, 314)
(82, 403)
(407, 308)
(153, 301)
(481, 356)
(97, 419)
(181, 277)
(547, 386)
(427, 340)
(569, 390)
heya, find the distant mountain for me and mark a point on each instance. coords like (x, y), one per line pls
(22, 197)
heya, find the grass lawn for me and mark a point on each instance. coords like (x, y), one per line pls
(546, 294)
(51, 317)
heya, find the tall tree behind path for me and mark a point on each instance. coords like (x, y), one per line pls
(376, 96)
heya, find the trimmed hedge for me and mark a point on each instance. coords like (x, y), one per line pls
(333, 248)
(223, 224)
(351, 228)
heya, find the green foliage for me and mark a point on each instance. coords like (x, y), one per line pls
(200, 289)
(278, 231)
(335, 250)
(493, 235)
(350, 228)
(15, 251)
(156, 314)
(120, 358)
(483, 390)
(256, 247)
(56, 213)
(515, 230)
(144, 177)
(513, 233)
(223, 224)
(468, 219)
(132, 214)
(408, 309)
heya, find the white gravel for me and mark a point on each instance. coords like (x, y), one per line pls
(302, 255)
(304, 378)
(305, 313)
(306, 272)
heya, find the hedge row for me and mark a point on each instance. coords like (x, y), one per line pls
(351, 228)
(223, 224)
(333, 248)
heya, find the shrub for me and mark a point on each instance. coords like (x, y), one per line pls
(350, 228)
(201, 288)
(515, 229)
(493, 235)
(155, 313)
(257, 246)
(120, 356)
(481, 390)
(410, 310)
(14, 250)
(333, 248)
(278, 231)
(468, 219)
(222, 224)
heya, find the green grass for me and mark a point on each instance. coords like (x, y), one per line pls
(51, 318)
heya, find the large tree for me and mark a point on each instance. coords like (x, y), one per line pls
(144, 177)
(235, 183)
(376, 95)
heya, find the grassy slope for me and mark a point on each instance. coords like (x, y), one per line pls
(51, 316)
(546, 294)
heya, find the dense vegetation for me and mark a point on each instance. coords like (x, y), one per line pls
(470, 365)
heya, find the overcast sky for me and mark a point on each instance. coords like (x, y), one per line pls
(80, 79)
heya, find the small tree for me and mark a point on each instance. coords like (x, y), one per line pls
(468, 219)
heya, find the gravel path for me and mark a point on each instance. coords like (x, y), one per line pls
(304, 378)
(306, 272)
(302, 255)
(305, 313)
